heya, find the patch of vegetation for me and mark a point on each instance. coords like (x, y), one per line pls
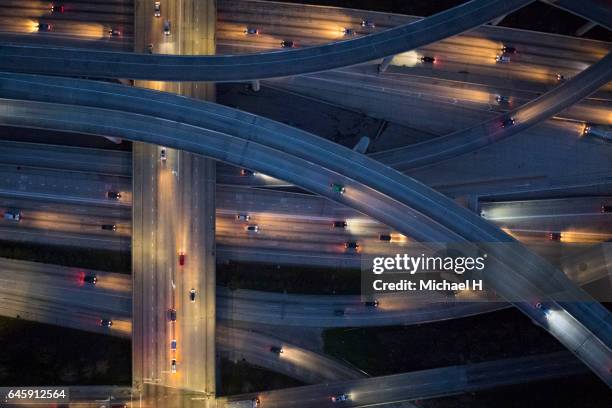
(100, 259)
(395, 349)
(290, 279)
(41, 354)
(242, 377)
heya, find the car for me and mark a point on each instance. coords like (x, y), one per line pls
(109, 227)
(150, 48)
(543, 308)
(508, 49)
(192, 294)
(173, 344)
(113, 195)
(173, 366)
(384, 237)
(251, 31)
(157, 9)
(287, 44)
(429, 60)
(105, 322)
(339, 224)
(554, 236)
(340, 398)
(502, 100)
(502, 58)
(586, 129)
(57, 8)
(560, 77)
(508, 122)
(181, 258)
(167, 27)
(606, 209)
(243, 217)
(371, 303)
(252, 228)
(339, 312)
(351, 245)
(246, 172)
(93, 279)
(113, 32)
(119, 405)
(12, 214)
(172, 315)
(45, 27)
(349, 32)
(276, 349)
(163, 155)
(367, 23)
(338, 188)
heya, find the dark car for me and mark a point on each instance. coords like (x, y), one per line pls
(276, 349)
(150, 48)
(351, 245)
(508, 49)
(181, 258)
(113, 195)
(44, 27)
(429, 60)
(167, 27)
(57, 8)
(384, 237)
(157, 9)
(502, 99)
(251, 31)
(246, 172)
(93, 279)
(560, 77)
(172, 315)
(109, 227)
(106, 323)
(339, 224)
(554, 236)
(371, 303)
(253, 228)
(113, 32)
(192, 294)
(349, 32)
(543, 308)
(339, 312)
(368, 23)
(508, 122)
(340, 398)
(606, 208)
(287, 44)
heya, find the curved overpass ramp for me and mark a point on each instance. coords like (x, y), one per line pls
(44, 60)
(413, 209)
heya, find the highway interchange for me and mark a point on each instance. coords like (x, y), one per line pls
(274, 145)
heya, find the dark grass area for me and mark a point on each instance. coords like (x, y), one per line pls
(61, 138)
(42, 354)
(389, 350)
(536, 16)
(242, 377)
(290, 279)
(580, 391)
(104, 260)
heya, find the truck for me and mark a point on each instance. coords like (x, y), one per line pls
(12, 214)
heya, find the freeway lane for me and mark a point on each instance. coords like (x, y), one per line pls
(313, 163)
(437, 382)
(257, 66)
(492, 131)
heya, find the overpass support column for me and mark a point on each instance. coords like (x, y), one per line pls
(385, 64)
(588, 26)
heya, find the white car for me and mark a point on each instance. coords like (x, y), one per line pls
(502, 59)
(173, 366)
(162, 154)
(243, 217)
